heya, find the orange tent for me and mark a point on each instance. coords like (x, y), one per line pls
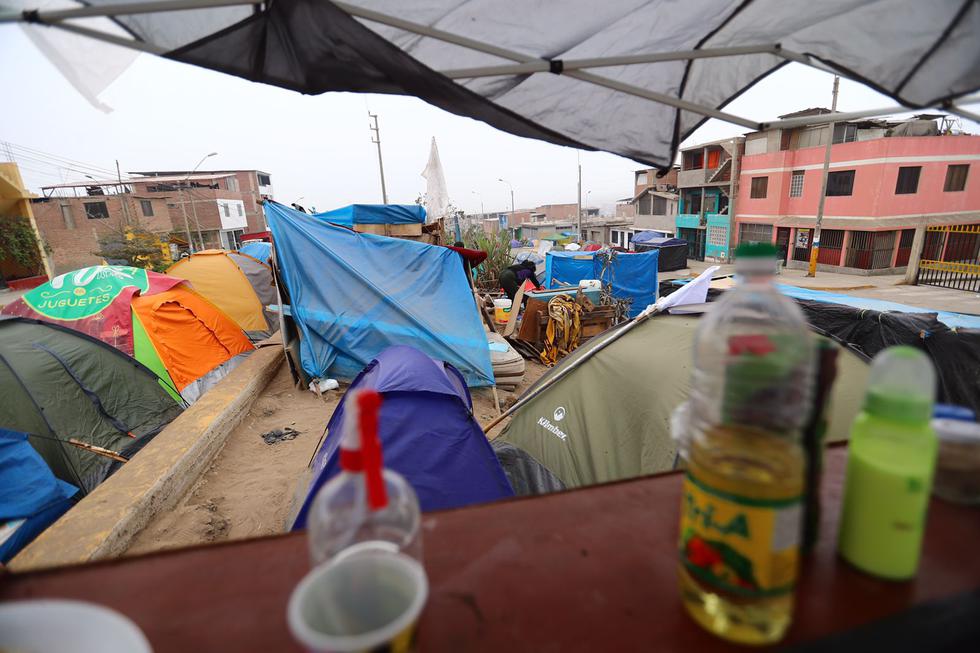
(191, 336)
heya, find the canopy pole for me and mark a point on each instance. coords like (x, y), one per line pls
(122, 9)
(108, 38)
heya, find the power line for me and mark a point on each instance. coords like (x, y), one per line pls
(56, 160)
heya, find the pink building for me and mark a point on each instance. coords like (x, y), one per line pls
(879, 191)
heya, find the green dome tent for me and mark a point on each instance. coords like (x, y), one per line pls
(610, 419)
(60, 384)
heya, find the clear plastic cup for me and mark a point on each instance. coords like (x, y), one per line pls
(359, 602)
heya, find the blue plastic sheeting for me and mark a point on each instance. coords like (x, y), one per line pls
(567, 268)
(952, 320)
(259, 250)
(631, 275)
(375, 214)
(427, 431)
(645, 236)
(354, 295)
(28, 492)
(657, 241)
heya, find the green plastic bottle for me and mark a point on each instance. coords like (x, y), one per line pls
(892, 456)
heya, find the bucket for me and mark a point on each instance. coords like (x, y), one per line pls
(501, 310)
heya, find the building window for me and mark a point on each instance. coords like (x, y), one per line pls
(67, 216)
(759, 187)
(845, 133)
(717, 236)
(840, 183)
(231, 183)
(239, 207)
(796, 184)
(227, 210)
(692, 201)
(694, 160)
(147, 207)
(755, 233)
(955, 178)
(908, 180)
(264, 180)
(812, 137)
(96, 210)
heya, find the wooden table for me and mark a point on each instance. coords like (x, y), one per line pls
(586, 570)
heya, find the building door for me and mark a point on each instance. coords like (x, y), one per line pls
(782, 242)
(802, 244)
(695, 242)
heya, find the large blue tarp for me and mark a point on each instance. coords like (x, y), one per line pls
(632, 275)
(375, 214)
(427, 431)
(31, 498)
(354, 295)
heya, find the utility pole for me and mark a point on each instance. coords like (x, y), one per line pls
(510, 223)
(187, 226)
(123, 195)
(376, 139)
(815, 246)
(580, 197)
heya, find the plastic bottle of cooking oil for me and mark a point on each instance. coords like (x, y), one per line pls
(742, 500)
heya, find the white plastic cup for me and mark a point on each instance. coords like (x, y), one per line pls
(359, 603)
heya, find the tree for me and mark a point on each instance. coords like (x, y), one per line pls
(135, 245)
(18, 243)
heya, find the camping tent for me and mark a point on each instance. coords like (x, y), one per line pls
(427, 430)
(31, 498)
(662, 68)
(59, 384)
(348, 216)
(354, 295)
(631, 275)
(238, 284)
(258, 250)
(590, 427)
(673, 251)
(187, 341)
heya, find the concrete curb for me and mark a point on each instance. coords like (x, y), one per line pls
(104, 522)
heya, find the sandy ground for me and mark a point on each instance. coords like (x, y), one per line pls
(250, 487)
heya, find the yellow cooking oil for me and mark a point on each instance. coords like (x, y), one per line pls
(740, 529)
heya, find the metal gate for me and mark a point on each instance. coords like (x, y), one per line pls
(695, 242)
(951, 257)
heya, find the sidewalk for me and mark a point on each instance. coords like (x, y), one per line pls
(8, 296)
(885, 287)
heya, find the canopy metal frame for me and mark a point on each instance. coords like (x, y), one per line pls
(522, 64)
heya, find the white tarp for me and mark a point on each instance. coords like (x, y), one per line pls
(436, 194)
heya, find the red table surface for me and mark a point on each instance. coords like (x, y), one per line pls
(586, 570)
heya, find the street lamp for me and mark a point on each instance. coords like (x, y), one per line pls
(183, 206)
(511, 201)
(482, 213)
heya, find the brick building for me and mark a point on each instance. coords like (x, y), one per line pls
(219, 207)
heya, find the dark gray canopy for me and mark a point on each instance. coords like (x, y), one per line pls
(631, 77)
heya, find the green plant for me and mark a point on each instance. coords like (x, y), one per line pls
(497, 247)
(133, 245)
(18, 243)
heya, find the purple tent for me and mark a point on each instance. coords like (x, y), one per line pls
(428, 434)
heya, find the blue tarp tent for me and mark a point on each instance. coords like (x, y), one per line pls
(428, 434)
(261, 251)
(647, 236)
(354, 295)
(631, 275)
(375, 214)
(31, 498)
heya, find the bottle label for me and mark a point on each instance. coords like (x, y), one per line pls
(739, 545)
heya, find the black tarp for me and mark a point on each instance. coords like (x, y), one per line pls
(673, 252)
(955, 352)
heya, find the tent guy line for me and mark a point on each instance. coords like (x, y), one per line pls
(524, 64)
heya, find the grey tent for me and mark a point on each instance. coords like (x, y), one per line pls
(632, 77)
(60, 384)
(591, 427)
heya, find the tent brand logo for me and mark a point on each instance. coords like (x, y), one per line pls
(559, 413)
(544, 423)
(83, 293)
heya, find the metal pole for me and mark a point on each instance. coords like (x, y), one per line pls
(376, 139)
(579, 202)
(123, 197)
(815, 245)
(187, 226)
(200, 236)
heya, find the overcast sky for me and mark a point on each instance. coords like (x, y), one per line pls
(318, 149)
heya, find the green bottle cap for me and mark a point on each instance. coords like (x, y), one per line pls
(901, 385)
(756, 250)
